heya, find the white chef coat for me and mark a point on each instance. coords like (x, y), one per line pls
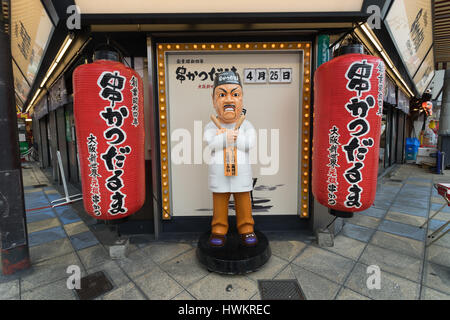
(246, 140)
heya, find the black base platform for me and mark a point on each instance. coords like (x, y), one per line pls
(233, 257)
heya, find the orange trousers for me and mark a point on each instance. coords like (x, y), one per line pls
(243, 205)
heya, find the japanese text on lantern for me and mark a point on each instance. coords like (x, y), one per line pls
(111, 85)
(135, 100)
(93, 164)
(332, 182)
(359, 75)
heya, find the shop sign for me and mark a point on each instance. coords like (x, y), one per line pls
(57, 95)
(21, 86)
(389, 92)
(207, 6)
(403, 102)
(31, 28)
(271, 82)
(41, 108)
(425, 74)
(410, 26)
(323, 51)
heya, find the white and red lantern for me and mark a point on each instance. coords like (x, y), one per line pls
(109, 122)
(348, 107)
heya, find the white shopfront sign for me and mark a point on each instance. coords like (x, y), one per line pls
(273, 107)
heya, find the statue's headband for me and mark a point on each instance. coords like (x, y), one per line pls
(227, 77)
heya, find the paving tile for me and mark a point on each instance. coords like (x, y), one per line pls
(49, 271)
(347, 247)
(431, 294)
(439, 255)
(364, 221)
(419, 179)
(407, 201)
(83, 240)
(405, 218)
(185, 268)
(50, 250)
(76, 227)
(403, 230)
(157, 285)
(357, 232)
(93, 256)
(443, 241)
(54, 291)
(347, 294)
(38, 215)
(163, 251)
(392, 287)
(223, 287)
(437, 206)
(136, 264)
(67, 214)
(313, 286)
(437, 277)
(113, 272)
(42, 225)
(125, 292)
(421, 212)
(438, 200)
(399, 244)
(328, 264)
(9, 289)
(286, 250)
(393, 262)
(374, 212)
(435, 224)
(44, 236)
(269, 270)
(184, 296)
(381, 204)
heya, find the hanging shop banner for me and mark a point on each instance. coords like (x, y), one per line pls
(31, 28)
(21, 86)
(390, 92)
(271, 80)
(109, 122)
(348, 109)
(205, 6)
(41, 108)
(57, 95)
(323, 51)
(410, 26)
(425, 74)
(403, 102)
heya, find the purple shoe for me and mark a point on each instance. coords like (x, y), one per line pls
(216, 240)
(249, 239)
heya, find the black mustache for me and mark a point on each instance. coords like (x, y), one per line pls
(230, 105)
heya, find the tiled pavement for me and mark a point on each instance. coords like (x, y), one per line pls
(386, 235)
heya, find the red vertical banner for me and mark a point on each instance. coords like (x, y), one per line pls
(109, 122)
(348, 107)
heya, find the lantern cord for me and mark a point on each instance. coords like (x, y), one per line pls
(331, 223)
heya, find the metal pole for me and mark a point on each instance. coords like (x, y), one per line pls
(13, 228)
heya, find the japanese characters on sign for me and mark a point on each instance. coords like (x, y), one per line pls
(111, 85)
(359, 75)
(332, 182)
(184, 74)
(93, 165)
(271, 75)
(135, 101)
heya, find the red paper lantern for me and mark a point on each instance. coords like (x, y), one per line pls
(109, 122)
(348, 109)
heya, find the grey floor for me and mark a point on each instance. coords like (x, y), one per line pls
(386, 236)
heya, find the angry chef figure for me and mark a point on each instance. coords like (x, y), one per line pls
(230, 138)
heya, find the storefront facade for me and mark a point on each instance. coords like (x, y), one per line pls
(275, 49)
